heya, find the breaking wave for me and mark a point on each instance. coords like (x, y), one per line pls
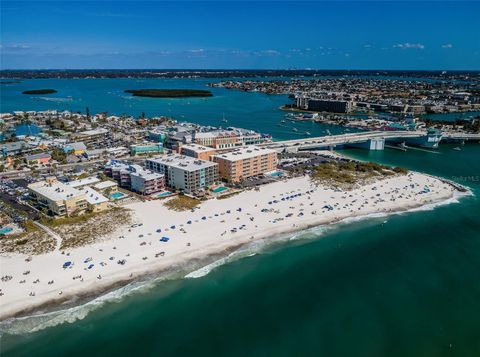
(37, 322)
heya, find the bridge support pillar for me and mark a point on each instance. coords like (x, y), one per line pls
(371, 144)
(377, 144)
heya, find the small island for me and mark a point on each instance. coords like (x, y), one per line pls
(169, 93)
(40, 91)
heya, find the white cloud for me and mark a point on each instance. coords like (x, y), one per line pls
(407, 45)
(447, 45)
(267, 53)
(16, 46)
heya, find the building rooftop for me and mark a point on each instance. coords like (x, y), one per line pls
(105, 184)
(55, 190)
(83, 182)
(76, 146)
(93, 132)
(197, 148)
(209, 134)
(147, 145)
(37, 156)
(16, 145)
(94, 152)
(93, 197)
(245, 153)
(183, 162)
(117, 165)
(147, 175)
(116, 149)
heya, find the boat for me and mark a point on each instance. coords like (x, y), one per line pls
(295, 129)
(308, 133)
(457, 148)
(282, 121)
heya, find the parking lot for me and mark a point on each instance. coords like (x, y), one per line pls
(11, 192)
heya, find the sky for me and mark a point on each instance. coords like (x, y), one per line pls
(245, 35)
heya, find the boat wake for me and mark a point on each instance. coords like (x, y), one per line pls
(55, 100)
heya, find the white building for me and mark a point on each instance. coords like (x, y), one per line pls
(96, 200)
(185, 173)
(83, 182)
(58, 198)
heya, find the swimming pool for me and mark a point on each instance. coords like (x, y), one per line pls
(5, 230)
(117, 195)
(219, 189)
(276, 174)
(164, 194)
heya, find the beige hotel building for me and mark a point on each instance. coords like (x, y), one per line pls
(245, 162)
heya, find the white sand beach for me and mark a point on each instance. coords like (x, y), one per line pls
(214, 228)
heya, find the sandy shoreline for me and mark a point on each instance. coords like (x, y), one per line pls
(292, 205)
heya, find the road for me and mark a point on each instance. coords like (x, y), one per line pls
(325, 141)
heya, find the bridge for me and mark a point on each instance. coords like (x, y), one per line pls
(372, 140)
(461, 136)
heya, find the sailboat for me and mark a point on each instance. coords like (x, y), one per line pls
(224, 120)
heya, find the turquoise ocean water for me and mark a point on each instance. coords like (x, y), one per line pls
(404, 285)
(251, 110)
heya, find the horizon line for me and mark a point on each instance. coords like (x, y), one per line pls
(235, 69)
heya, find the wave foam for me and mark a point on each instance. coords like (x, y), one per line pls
(37, 322)
(248, 251)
